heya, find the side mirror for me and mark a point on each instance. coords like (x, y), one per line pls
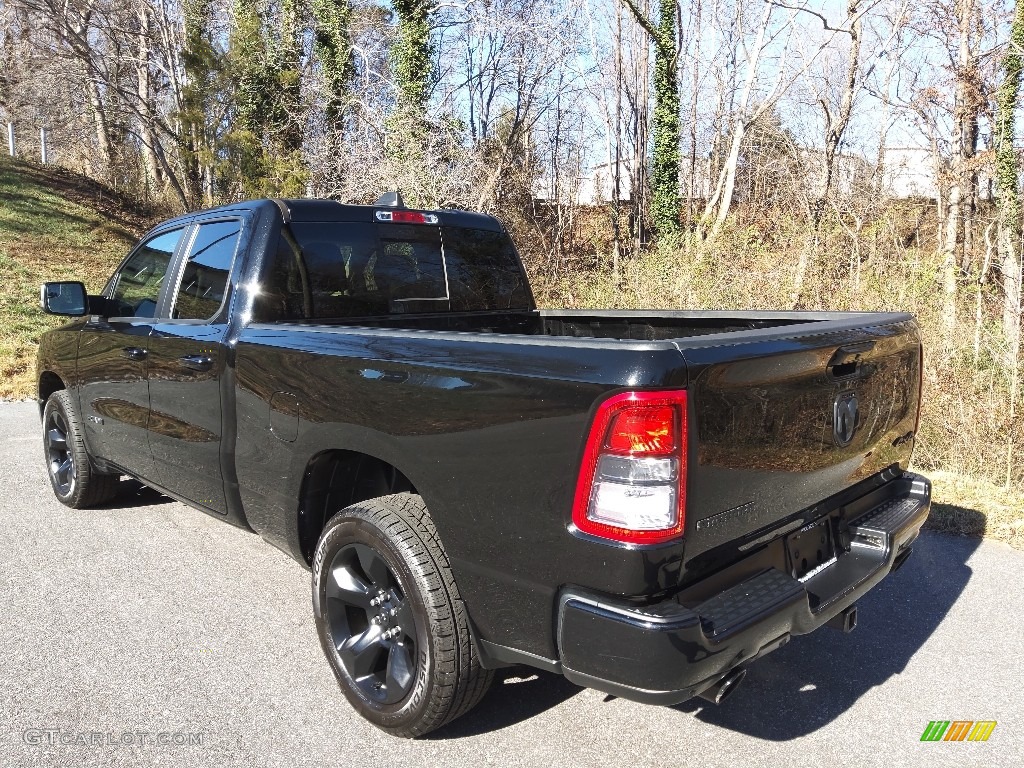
(66, 298)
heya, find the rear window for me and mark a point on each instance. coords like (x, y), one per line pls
(483, 270)
(342, 270)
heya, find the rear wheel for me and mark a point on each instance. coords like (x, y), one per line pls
(76, 482)
(390, 618)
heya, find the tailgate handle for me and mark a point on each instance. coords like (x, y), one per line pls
(846, 360)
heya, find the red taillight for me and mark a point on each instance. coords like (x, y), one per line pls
(632, 484)
(642, 430)
(407, 217)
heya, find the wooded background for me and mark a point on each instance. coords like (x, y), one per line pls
(705, 153)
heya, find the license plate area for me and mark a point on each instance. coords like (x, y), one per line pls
(810, 550)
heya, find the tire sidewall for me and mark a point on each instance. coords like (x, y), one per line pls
(348, 527)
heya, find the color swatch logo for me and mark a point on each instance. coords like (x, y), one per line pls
(958, 730)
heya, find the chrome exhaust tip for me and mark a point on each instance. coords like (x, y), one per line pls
(724, 688)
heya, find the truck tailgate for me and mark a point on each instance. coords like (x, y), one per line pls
(780, 426)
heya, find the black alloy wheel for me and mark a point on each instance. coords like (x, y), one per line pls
(60, 458)
(371, 624)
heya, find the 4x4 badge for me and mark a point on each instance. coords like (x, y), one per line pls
(844, 418)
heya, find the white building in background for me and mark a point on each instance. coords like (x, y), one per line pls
(912, 172)
(594, 188)
(909, 172)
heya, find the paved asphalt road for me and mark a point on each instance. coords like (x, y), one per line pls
(150, 617)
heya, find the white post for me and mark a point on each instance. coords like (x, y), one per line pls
(42, 145)
(10, 138)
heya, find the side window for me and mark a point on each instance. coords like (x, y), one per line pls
(339, 270)
(204, 279)
(137, 283)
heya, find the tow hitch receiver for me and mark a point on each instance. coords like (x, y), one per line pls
(845, 621)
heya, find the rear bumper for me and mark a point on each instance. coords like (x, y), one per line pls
(668, 652)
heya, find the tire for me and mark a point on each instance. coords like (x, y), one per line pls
(390, 618)
(75, 481)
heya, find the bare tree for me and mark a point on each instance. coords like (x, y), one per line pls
(770, 34)
(1010, 230)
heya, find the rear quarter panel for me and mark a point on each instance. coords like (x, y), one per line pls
(488, 430)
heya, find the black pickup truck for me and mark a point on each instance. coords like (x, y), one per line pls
(643, 502)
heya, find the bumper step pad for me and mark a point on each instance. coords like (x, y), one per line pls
(887, 517)
(731, 610)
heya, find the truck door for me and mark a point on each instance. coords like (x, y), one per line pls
(113, 358)
(187, 360)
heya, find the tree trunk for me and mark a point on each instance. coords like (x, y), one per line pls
(963, 178)
(333, 48)
(723, 199)
(950, 267)
(104, 144)
(75, 26)
(640, 187)
(411, 52)
(198, 61)
(290, 78)
(1009, 235)
(612, 132)
(665, 202)
(720, 201)
(147, 130)
(836, 125)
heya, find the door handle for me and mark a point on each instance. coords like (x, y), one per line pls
(134, 353)
(197, 362)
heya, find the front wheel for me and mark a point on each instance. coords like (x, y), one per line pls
(390, 618)
(76, 482)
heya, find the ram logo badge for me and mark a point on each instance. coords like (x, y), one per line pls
(844, 418)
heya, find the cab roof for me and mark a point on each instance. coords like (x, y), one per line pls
(295, 210)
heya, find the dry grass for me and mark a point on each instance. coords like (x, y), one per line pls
(968, 506)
